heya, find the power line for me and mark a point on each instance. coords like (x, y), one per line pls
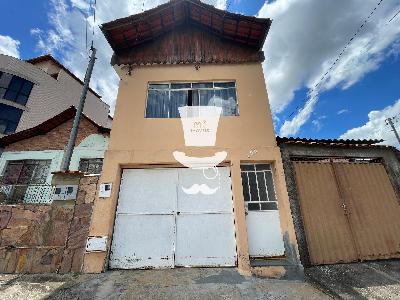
(396, 118)
(86, 36)
(310, 95)
(398, 12)
(228, 5)
(92, 7)
(389, 121)
(94, 4)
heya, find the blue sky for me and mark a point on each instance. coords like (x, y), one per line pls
(28, 14)
(305, 37)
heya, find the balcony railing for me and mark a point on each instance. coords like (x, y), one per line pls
(25, 193)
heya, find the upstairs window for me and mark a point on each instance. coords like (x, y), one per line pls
(9, 119)
(164, 99)
(14, 88)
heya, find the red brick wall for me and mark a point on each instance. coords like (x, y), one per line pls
(56, 139)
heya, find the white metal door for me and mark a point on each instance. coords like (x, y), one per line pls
(264, 234)
(144, 232)
(262, 215)
(157, 221)
(205, 223)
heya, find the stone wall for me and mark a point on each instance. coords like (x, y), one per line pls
(47, 238)
(79, 229)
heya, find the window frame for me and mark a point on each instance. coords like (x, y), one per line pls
(27, 162)
(169, 89)
(8, 122)
(255, 171)
(19, 92)
(82, 159)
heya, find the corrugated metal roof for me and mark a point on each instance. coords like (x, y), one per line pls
(332, 142)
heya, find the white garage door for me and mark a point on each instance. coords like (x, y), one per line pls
(160, 226)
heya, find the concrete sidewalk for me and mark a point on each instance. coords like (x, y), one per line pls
(188, 283)
(367, 280)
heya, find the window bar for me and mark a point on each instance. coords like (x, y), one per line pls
(248, 186)
(273, 186)
(258, 189)
(266, 186)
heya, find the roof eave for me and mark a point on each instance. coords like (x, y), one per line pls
(128, 21)
(46, 127)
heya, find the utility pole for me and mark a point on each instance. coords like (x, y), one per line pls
(75, 126)
(390, 122)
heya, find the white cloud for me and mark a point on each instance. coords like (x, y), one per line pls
(318, 123)
(343, 111)
(221, 4)
(81, 4)
(9, 46)
(66, 38)
(305, 38)
(300, 118)
(375, 127)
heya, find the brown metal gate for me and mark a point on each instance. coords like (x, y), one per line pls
(350, 211)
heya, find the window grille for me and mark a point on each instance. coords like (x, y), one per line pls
(258, 187)
(26, 172)
(91, 165)
(24, 181)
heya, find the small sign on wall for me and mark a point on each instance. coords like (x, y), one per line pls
(65, 192)
(105, 190)
(96, 244)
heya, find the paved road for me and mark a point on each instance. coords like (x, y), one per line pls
(368, 280)
(154, 284)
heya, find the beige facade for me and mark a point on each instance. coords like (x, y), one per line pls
(54, 91)
(139, 142)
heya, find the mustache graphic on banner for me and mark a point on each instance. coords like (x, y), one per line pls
(200, 188)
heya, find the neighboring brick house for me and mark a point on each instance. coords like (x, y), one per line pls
(27, 87)
(30, 156)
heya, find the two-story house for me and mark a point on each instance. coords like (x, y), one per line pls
(162, 214)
